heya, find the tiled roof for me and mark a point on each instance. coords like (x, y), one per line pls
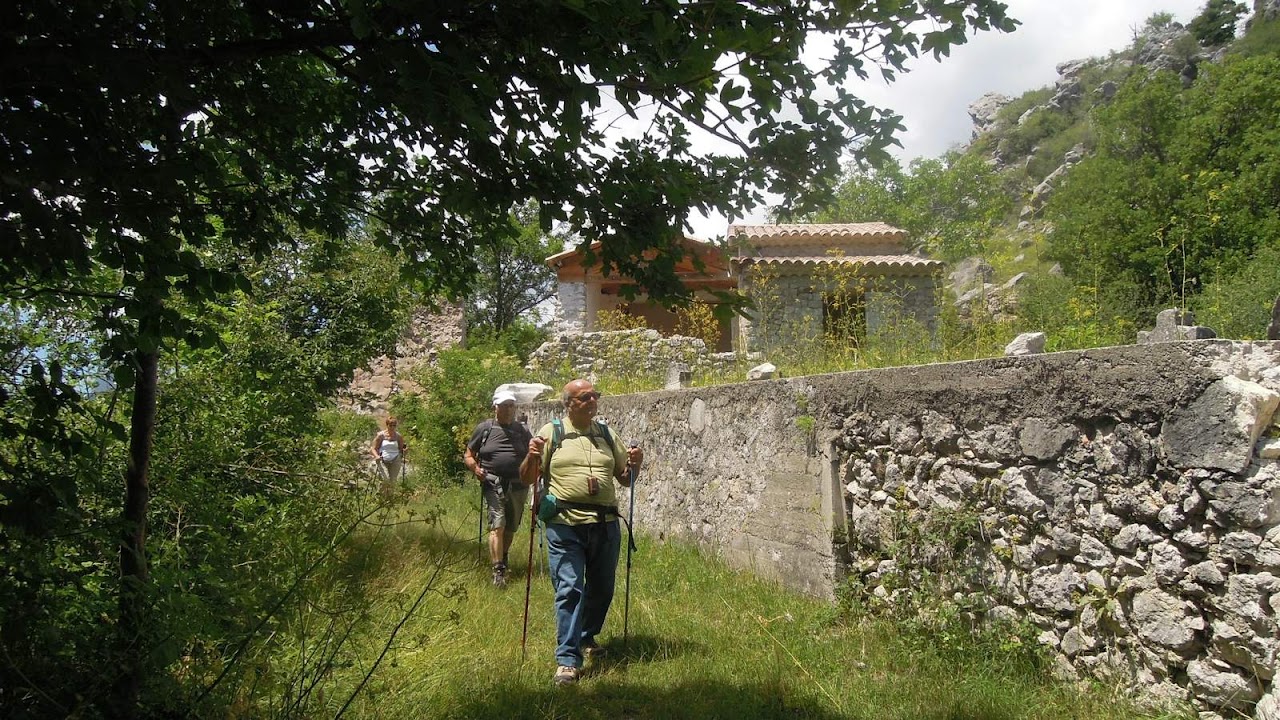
(691, 244)
(870, 261)
(816, 230)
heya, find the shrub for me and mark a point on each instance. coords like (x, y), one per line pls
(519, 339)
(1237, 300)
(618, 319)
(457, 394)
(1262, 38)
(1074, 316)
(697, 320)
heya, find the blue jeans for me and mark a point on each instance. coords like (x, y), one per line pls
(584, 562)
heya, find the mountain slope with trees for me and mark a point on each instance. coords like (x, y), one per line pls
(1142, 180)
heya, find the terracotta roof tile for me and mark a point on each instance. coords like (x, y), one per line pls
(692, 244)
(870, 261)
(816, 230)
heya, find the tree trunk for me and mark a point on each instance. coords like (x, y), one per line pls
(134, 576)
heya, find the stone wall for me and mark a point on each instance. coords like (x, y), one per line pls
(729, 469)
(1124, 500)
(597, 354)
(572, 317)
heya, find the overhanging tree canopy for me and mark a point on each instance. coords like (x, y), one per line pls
(127, 126)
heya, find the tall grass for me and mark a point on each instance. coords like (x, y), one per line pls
(703, 642)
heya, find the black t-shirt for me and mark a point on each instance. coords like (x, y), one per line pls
(504, 449)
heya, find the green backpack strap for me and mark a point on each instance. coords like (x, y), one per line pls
(557, 436)
(608, 435)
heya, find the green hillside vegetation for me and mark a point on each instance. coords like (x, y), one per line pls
(1174, 204)
(1181, 196)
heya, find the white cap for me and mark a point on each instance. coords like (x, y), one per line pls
(503, 396)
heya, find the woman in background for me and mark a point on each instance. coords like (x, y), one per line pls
(388, 450)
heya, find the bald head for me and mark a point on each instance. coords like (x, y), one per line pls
(573, 387)
(580, 401)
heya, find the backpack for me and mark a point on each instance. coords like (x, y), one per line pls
(519, 439)
(549, 505)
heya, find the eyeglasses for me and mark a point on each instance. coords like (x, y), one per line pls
(587, 396)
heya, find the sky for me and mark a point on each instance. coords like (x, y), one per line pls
(934, 96)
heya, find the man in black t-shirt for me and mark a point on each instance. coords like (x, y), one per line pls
(493, 454)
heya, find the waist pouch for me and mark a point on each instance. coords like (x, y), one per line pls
(550, 506)
(547, 508)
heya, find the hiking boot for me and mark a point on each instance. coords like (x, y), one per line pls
(566, 675)
(499, 575)
(592, 650)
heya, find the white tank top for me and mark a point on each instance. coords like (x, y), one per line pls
(390, 449)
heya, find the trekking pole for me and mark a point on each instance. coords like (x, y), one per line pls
(528, 571)
(631, 543)
(480, 527)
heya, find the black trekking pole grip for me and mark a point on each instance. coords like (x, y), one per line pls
(631, 533)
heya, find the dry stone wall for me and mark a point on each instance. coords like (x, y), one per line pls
(1125, 504)
(596, 354)
(729, 469)
(1124, 500)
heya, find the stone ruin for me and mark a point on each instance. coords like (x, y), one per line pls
(428, 333)
(1173, 325)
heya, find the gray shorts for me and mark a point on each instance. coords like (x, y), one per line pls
(506, 507)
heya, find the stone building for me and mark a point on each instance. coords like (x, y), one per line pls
(584, 291)
(853, 279)
(804, 279)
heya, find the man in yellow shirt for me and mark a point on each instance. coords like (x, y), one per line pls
(583, 537)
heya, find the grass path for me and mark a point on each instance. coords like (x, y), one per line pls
(704, 642)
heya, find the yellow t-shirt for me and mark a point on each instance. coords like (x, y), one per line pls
(584, 452)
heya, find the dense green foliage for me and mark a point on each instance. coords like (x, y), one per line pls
(512, 279)
(248, 488)
(457, 394)
(1182, 182)
(1237, 299)
(1216, 24)
(949, 206)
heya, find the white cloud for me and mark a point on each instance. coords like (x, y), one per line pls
(934, 97)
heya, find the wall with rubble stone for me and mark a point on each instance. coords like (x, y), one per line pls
(429, 331)
(1124, 500)
(597, 354)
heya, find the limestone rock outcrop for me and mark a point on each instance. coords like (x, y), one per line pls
(427, 334)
